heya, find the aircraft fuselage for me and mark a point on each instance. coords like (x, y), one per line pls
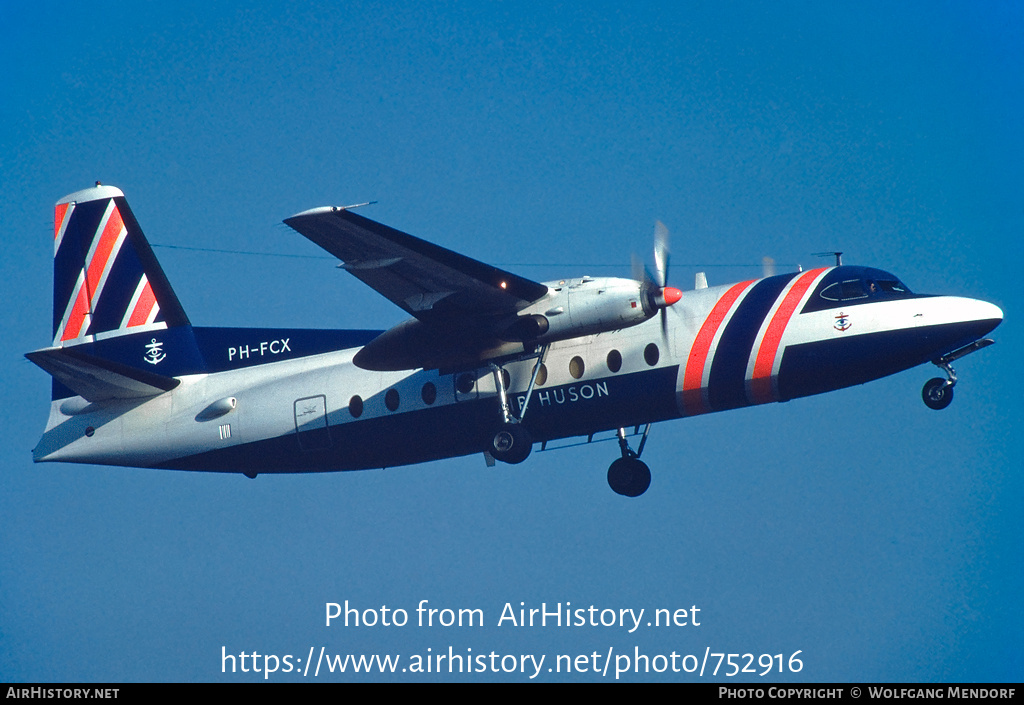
(294, 401)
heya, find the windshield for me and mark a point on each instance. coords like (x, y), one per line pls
(852, 285)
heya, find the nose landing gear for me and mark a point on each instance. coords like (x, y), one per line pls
(938, 393)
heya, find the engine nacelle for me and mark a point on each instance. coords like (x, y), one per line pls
(586, 306)
(571, 308)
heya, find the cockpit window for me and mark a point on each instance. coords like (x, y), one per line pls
(893, 286)
(855, 285)
(845, 290)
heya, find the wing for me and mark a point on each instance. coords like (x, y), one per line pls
(439, 287)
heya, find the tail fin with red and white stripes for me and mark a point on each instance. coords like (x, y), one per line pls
(106, 280)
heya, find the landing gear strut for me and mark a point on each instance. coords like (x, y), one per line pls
(938, 393)
(630, 476)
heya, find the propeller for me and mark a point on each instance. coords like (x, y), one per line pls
(661, 252)
(655, 293)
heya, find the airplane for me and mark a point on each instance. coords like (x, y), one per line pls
(488, 362)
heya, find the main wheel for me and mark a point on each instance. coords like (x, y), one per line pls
(937, 393)
(511, 444)
(629, 477)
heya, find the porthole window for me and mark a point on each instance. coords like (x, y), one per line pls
(614, 361)
(429, 393)
(542, 375)
(465, 383)
(355, 406)
(576, 367)
(391, 400)
(651, 354)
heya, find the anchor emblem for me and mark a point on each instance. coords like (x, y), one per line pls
(842, 322)
(155, 354)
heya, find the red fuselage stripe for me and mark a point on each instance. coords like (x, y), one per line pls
(761, 383)
(693, 377)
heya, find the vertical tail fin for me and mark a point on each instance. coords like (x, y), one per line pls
(106, 280)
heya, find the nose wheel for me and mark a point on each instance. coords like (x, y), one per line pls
(937, 393)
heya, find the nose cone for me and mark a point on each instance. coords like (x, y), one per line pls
(983, 316)
(949, 322)
(990, 312)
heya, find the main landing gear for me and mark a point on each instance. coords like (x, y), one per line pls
(630, 476)
(938, 393)
(512, 443)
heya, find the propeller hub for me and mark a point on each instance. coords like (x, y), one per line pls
(664, 297)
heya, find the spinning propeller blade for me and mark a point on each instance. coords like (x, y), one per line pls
(656, 295)
(661, 253)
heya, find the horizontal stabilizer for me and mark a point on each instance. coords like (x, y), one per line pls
(96, 379)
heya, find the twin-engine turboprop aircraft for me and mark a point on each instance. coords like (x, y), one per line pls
(489, 363)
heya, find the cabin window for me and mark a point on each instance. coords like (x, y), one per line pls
(391, 400)
(429, 393)
(576, 367)
(614, 361)
(355, 406)
(542, 375)
(465, 383)
(652, 354)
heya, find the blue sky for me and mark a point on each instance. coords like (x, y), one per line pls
(879, 538)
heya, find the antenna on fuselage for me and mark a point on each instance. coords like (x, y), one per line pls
(837, 255)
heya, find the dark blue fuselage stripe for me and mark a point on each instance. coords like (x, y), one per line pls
(826, 365)
(726, 388)
(450, 430)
